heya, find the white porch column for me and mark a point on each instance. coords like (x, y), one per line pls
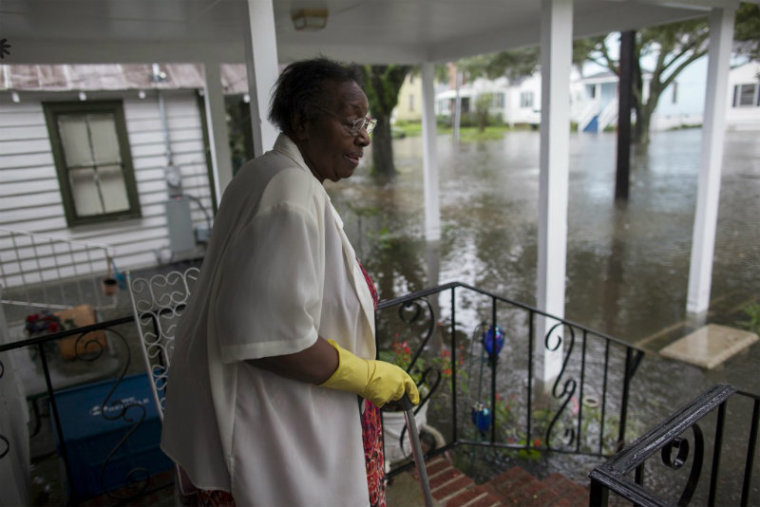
(429, 160)
(556, 57)
(261, 61)
(713, 133)
(216, 118)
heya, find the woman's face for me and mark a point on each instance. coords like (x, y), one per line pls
(326, 143)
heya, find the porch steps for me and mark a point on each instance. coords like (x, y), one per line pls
(513, 488)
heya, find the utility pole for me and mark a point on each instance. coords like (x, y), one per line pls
(625, 89)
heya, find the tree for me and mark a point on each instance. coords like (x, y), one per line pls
(672, 47)
(482, 107)
(747, 30)
(382, 84)
(514, 64)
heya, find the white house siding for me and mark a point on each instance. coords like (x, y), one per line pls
(30, 199)
(744, 117)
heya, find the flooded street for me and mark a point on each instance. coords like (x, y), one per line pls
(627, 264)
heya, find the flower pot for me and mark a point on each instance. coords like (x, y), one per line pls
(393, 424)
(109, 286)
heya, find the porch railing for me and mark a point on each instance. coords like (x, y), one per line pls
(667, 464)
(482, 367)
(102, 353)
(40, 271)
(478, 360)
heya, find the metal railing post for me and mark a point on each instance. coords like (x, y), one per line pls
(454, 365)
(751, 446)
(598, 494)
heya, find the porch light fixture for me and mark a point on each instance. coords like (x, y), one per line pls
(15, 97)
(82, 96)
(309, 19)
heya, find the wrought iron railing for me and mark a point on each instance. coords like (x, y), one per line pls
(665, 466)
(477, 358)
(482, 370)
(95, 359)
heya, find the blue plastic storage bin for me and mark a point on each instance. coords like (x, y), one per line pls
(97, 463)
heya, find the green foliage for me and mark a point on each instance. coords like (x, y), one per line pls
(514, 64)
(752, 322)
(673, 47)
(747, 30)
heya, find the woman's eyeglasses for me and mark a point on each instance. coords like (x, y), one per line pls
(356, 126)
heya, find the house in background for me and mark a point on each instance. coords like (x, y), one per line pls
(113, 154)
(409, 106)
(595, 106)
(744, 97)
(517, 103)
(594, 99)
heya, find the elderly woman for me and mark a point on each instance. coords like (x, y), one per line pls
(278, 338)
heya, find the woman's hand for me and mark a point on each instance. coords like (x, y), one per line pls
(378, 381)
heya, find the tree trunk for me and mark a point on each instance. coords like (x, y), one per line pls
(382, 148)
(643, 118)
(382, 84)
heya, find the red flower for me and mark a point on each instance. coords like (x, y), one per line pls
(53, 327)
(537, 442)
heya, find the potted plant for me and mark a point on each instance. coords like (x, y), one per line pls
(427, 374)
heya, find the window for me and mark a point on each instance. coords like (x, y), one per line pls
(674, 97)
(745, 94)
(526, 99)
(91, 152)
(498, 100)
(411, 102)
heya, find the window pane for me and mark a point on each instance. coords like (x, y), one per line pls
(105, 143)
(526, 99)
(113, 188)
(75, 140)
(84, 191)
(746, 94)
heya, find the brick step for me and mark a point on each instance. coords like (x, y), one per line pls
(513, 488)
(516, 487)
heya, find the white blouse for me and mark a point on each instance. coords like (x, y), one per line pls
(279, 271)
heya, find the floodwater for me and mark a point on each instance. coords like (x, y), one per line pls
(627, 263)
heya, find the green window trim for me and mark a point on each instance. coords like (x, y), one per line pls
(54, 111)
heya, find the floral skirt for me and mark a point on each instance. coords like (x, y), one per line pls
(372, 435)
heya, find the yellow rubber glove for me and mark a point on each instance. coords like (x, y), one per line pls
(378, 381)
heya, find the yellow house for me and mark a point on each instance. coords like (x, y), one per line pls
(409, 107)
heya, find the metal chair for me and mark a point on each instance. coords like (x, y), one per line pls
(158, 303)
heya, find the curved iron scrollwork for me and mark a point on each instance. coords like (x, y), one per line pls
(680, 446)
(410, 312)
(90, 347)
(569, 386)
(158, 302)
(414, 312)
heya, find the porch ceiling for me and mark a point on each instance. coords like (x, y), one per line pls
(365, 31)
